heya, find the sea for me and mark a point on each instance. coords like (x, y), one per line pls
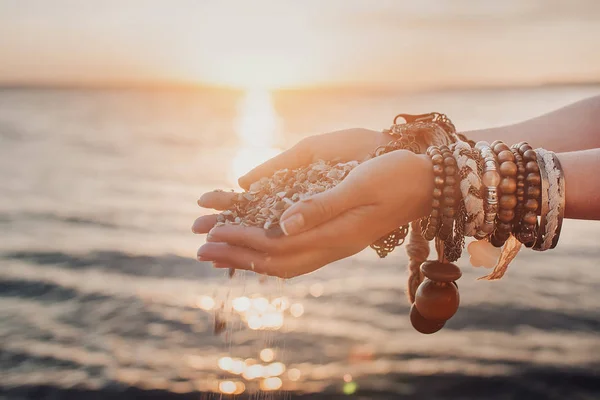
(101, 295)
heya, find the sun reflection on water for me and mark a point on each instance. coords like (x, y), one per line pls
(257, 128)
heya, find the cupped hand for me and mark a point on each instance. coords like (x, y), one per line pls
(376, 197)
(345, 145)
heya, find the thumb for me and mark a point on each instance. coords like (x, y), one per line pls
(319, 208)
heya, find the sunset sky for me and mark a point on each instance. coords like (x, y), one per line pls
(294, 43)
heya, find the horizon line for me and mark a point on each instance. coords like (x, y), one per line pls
(175, 85)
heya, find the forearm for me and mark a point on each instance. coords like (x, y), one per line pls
(582, 184)
(571, 128)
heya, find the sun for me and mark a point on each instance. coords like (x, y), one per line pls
(257, 129)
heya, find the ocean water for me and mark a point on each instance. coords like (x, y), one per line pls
(101, 295)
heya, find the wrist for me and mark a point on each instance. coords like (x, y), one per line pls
(424, 192)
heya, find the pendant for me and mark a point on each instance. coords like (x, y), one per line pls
(437, 298)
(483, 254)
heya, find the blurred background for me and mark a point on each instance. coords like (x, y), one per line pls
(116, 115)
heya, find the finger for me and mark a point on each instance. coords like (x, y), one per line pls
(221, 265)
(283, 266)
(204, 224)
(295, 157)
(225, 255)
(320, 208)
(244, 236)
(338, 233)
(217, 200)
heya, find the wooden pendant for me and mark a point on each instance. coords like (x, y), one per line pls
(424, 325)
(437, 297)
(437, 301)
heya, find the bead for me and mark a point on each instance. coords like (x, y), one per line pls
(534, 192)
(488, 227)
(530, 155)
(526, 237)
(532, 166)
(449, 191)
(494, 143)
(448, 221)
(508, 201)
(437, 193)
(436, 301)
(435, 203)
(490, 164)
(431, 231)
(432, 150)
(423, 325)
(506, 155)
(451, 180)
(483, 254)
(520, 169)
(449, 212)
(450, 170)
(481, 145)
(504, 226)
(491, 178)
(435, 213)
(434, 221)
(533, 179)
(520, 181)
(531, 205)
(438, 170)
(506, 215)
(496, 241)
(441, 272)
(523, 148)
(450, 161)
(499, 148)
(437, 159)
(508, 168)
(530, 218)
(438, 181)
(507, 185)
(449, 201)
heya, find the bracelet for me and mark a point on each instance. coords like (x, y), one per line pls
(470, 186)
(520, 190)
(528, 223)
(506, 193)
(551, 200)
(449, 194)
(490, 180)
(562, 202)
(431, 225)
(544, 203)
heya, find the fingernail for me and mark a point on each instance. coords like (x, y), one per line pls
(275, 232)
(293, 224)
(201, 258)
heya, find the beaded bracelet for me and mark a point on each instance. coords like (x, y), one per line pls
(526, 233)
(506, 193)
(431, 225)
(449, 193)
(520, 193)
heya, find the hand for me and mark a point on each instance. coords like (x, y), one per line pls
(378, 196)
(346, 145)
